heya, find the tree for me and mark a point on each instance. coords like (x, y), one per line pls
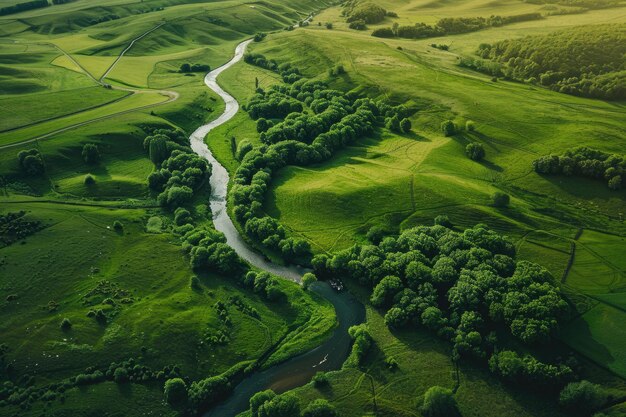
(31, 162)
(448, 128)
(66, 324)
(386, 289)
(439, 402)
(405, 125)
(615, 183)
(308, 279)
(175, 391)
(320, 408)
(582, 398)
(470, 126)
(91, 154)
(158, 149)
(120, 375)
(500, 199)
(185, 68)
(475, 151)
(89, 180)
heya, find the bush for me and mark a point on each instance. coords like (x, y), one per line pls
(470, 126)
(448, 128)
(175, 391)
(320, 379)
(582, 398)
(320, 408)
(500, 199)
(439, 402)
(89, 180)
(475, 151)
(117, 225)
(405, 125)
(66, 324)
(308, 279)
(91, 154)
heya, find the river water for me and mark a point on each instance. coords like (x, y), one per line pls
(298, 370)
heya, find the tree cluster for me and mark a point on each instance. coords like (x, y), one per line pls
(14, 227)
(90, 153)
(567, 61)
(21, 7)
(362, 342)
(24, 392)
(511, 367)
(464, 286)
(268, 404)
(31, 162)
(188, 68)
(180, 172)
(289, 73)
(207, 249)
(475, 151)
(367, 12)
(451, 26)
(585, 162)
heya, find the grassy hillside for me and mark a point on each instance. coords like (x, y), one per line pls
(399, 181)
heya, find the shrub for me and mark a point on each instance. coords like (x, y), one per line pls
(329, 25)
(175, 391)
(582, 398)
(439, 402)
(470, 126)
(448, 128)
(475, 151)
(500, 199)
(89, 180)
(443, 220)
(320, 379)
(90, 153)
(320, 408)
(66, 324)
(308, 279)
(285, 405)
(358, 25)
(117, 225)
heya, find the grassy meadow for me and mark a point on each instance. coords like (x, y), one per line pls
(54, 65)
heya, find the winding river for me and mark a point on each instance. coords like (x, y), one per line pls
(298, 370)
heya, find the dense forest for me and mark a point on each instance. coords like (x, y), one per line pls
(585, 162)
(586, 61)
(467, 288)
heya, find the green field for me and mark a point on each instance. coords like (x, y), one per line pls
(64, 84)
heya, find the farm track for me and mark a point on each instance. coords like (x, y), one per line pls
(173, 96)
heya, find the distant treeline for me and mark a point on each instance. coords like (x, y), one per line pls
(585, 162)
(452, 26)
(22, 7)
(588, 4)
(585, 61)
